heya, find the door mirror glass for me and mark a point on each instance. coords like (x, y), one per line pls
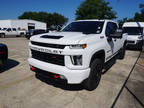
(117, 34)
(109, 39)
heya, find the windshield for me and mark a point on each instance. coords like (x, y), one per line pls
(133, 30)
(4, 29)
(87, 27)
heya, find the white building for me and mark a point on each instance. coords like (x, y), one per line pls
(24, 24)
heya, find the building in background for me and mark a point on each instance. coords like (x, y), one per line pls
(23, 24)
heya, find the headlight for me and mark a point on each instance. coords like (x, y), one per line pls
(78, 46)
(76, 60)
(140, 37)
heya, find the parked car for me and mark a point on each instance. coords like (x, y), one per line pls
(78, 53)
(30, 33)
(11, 32)
(135, 34)
(3, 54)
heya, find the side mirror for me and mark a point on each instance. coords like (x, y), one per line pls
(117, 34)
(109, 39)
(59, 28)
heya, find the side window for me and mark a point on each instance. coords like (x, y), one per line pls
(14, 29)
(9, 29)
(115, 27)
(109, 28)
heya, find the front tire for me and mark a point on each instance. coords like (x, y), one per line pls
(93, 80)
(22, 35)
(139, 47)
(122, 52)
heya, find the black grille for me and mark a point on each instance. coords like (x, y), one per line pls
(48, 45)
(49, 58)
(130, 41)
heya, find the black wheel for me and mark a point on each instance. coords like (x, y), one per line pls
(139, 46)
(93, 80)
(122, 52)
(22, 35)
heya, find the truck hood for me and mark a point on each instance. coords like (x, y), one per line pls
(59, 38)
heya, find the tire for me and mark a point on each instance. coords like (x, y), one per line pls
(122, 52)
(139, 47)
(93, 80)
(22, 35)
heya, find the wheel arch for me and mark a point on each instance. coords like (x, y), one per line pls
(99, 54)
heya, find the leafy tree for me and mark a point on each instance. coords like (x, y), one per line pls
(95, 9)
(122, 21)
(52, 19)
(140, 16)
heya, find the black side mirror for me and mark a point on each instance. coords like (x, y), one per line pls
(117, 34)
(109, 39)
(58, 28)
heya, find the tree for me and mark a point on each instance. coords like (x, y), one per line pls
(140, 16)
(95, 9)
(54, 19)
(122, 21)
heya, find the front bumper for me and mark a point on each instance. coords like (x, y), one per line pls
(134, 42)
(72, 76)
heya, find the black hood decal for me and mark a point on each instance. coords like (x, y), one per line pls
(51, 37)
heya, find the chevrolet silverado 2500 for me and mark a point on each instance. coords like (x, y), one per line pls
(78, 52)
(135, 34)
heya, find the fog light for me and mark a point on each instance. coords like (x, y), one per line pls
(76, 60)
(62, 77)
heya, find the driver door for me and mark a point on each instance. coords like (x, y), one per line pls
(9, 31)
(109, 42)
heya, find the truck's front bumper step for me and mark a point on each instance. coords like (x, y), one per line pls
(49, 75)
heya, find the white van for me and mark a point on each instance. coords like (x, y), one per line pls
(135, 34)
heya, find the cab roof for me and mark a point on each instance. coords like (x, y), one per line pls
(133, 24)
(103, 20)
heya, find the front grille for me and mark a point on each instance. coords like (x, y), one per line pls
(131, 42)
(48, 45)
(47, 57)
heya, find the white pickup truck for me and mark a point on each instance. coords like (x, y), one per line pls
(135, 34)
(78, 52)
(11, 31)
